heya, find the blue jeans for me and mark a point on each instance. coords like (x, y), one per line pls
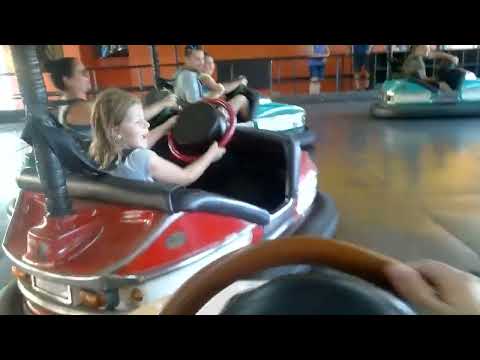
(317, 71)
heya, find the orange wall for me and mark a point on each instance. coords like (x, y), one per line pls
(140, 55)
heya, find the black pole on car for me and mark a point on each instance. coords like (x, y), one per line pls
(176, 57)
(155, 65)
(35, 99)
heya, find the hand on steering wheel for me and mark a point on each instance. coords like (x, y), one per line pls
(209, 281)
(437, 287)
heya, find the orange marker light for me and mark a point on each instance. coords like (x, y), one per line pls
(19, 274)
(136, 295)
(92, 300)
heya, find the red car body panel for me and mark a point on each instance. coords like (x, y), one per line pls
(124, 229)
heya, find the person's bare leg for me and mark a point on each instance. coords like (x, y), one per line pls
(356, 80)
(367, 79)
(245, 110)
(314, 86)
(240, 105)
(231, 86)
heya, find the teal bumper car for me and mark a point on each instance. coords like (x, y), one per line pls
(284, 118)
(287, 119)
(414, 98)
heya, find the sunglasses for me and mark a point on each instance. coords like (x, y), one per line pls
(194, 47)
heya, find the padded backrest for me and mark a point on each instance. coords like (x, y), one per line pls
(63, 143)
(165, 84)
(273, 146)
(111, 189)
(107, 188)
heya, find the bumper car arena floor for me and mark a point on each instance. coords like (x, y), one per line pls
(408, 189)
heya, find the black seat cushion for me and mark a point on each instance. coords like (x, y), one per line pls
(252, 97)
(64, 143)
(454, 77)
(165, 84)
(322, 292)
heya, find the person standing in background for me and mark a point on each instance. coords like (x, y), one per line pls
(317, 67)
(361, 55)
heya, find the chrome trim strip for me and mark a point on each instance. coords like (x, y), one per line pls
(280, 212)
(278, 218)
(18, 201)
(66, 301)
(95, 282)
(229, 241)
(281, 230)
(60, 309)
(104, 280)
(99, 282)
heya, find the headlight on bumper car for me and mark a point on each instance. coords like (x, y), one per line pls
(388, 97)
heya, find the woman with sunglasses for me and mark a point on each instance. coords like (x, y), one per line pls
(70, 76)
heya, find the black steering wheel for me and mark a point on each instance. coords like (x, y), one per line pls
(351, 259)
(202, 122)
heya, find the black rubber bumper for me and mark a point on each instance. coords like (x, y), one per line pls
(323, 218)
(446, 110)
(11, 299)
(305, 137)
(321, 221)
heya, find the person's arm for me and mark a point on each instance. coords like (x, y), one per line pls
(370, 49)
(440, 55)
(165, 171)
(160, 131)
(327, 51)
(154, 109)
(216, 89)
(231, 86)
(436, 288)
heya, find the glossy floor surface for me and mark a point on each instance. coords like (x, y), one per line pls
(408, 189)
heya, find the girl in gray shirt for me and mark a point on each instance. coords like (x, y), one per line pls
(121, 143)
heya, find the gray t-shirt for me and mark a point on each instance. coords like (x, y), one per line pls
(188, 87)
(414, 66)
(136, 166)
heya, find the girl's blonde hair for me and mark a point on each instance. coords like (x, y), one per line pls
(109, 111)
